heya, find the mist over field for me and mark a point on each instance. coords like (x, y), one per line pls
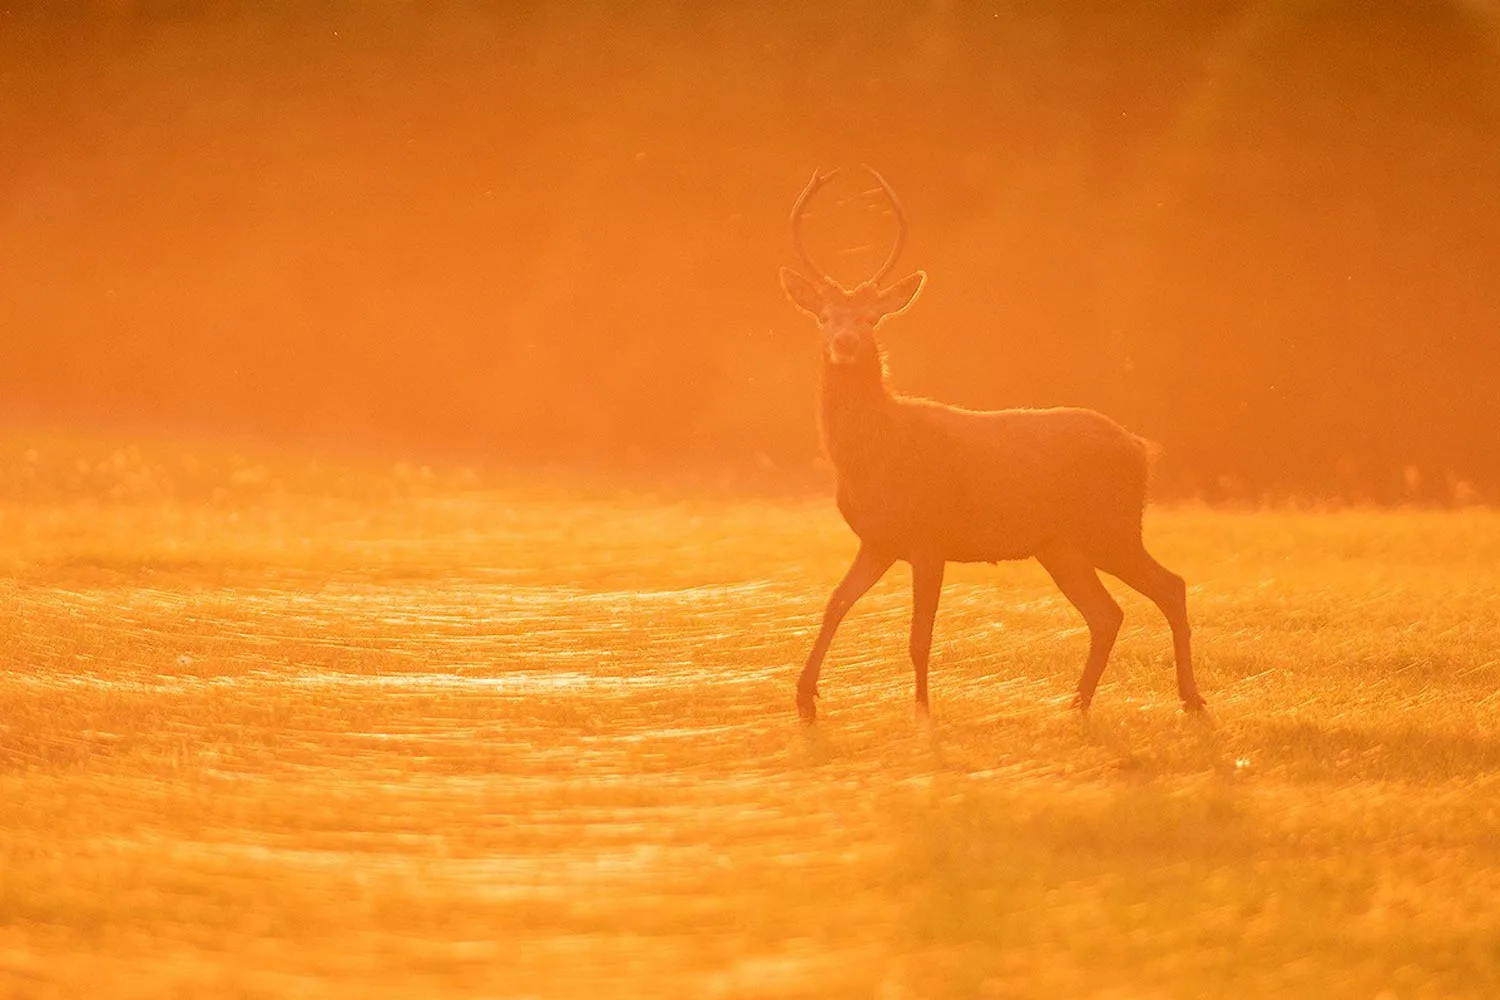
(1260, 233)
(412, 517)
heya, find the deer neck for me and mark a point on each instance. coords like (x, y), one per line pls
(854, 409)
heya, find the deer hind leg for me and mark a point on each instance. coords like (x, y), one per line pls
(926, 587)
(1138, 570)
(868, 568)
(1075, 576)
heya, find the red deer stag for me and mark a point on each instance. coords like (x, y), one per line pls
(928, 483)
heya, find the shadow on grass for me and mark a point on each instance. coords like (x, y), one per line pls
(1310, 750)
(1152, 744)
(1056, 740)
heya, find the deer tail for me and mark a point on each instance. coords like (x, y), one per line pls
(1151, 452)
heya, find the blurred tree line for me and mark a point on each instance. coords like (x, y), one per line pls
(1261, 233)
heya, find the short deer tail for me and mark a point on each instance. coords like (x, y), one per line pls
(1151, 452)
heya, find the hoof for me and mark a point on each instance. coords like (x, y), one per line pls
(806, 708)
(1080, 703)
(924, 711)
(1194, 704)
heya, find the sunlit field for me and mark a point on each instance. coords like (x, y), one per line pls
(399, 733)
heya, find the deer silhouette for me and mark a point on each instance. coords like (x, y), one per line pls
(928, 483)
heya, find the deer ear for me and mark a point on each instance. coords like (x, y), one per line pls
(899, 297)
(805, 294)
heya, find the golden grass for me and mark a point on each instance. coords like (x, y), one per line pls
(445, 741)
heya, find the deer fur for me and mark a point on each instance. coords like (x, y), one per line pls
(927, 483)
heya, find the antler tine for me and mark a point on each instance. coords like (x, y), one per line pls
(818, 180)
(890, 261)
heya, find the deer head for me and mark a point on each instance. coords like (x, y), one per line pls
(847, 317)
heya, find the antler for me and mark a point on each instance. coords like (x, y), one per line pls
(818, 180)
(890, 261)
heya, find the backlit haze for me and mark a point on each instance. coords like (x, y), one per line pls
(1262, 234)
(412, 520)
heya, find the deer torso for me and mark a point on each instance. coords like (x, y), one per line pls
(918, 477)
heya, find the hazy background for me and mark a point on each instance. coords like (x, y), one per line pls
(1264, 234)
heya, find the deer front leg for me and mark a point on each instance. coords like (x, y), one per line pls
(926, 587)
(868, 567)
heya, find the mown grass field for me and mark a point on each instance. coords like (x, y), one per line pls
(408, 736)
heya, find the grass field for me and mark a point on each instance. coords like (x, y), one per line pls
(415, 736)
